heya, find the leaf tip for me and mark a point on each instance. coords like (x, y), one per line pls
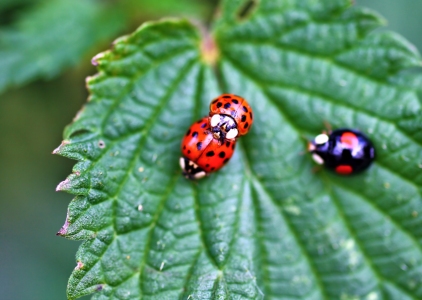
(95, 61)
(59, 148)
(79, 265)
(64, 185)
(64, 228)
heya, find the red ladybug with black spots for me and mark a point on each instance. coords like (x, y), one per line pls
(202, 153)
(345, 151)
(231, 116)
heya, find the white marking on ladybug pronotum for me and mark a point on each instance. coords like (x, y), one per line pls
(215, 120)
(182, 163)
(200, 175)
(321, 139)
(232, 133)
(317, 159)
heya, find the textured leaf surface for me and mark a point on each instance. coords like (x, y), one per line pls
(266, 226)
(53, 35)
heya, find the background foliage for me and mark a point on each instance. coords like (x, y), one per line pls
(32, 118)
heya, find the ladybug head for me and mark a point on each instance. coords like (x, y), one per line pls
(225, 126)
(191, 170)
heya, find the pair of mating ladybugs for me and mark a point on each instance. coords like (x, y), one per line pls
(209, 143)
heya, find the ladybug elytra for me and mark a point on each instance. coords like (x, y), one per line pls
(202, 153)
(231, 116)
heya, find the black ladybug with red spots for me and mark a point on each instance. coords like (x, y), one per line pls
(345, 151)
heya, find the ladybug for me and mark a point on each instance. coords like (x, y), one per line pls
(202, 153)
(231, 116)
(345, 151)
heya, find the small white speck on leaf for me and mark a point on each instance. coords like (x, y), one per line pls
(342, 82)
(141, 169)
(372, 296)
(140, 207)
(162, 265)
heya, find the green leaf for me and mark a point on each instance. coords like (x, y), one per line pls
(52, 36)
(267, 225)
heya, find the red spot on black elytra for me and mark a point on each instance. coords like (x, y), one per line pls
(210, 153)
(235, 101)
(219, 104)
(245, 109)
(227, 105)
(188, 132)
(222, 154)
(246, 125)
(195, 134)
(243, 119)
(344, 169)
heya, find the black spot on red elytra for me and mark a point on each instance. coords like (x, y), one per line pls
(184, 147)
(246, 125)
(243, 119)
(199, 145)
(250, 114)
(227, 105)
(222, 154)
(188, 151)
(188, 132)
(207, 165)
(235, 101)
(225, 161)
(227, 144)
(227, 96)
(214, 101)
(204, 125)
(195, 134)
(213, 168)
(219, 104)
(234, 144)
(210, 153)
(245, 109)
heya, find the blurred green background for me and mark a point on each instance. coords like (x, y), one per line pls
(34, 262)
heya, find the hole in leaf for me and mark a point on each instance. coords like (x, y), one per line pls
(78, 133)
(247, 9)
